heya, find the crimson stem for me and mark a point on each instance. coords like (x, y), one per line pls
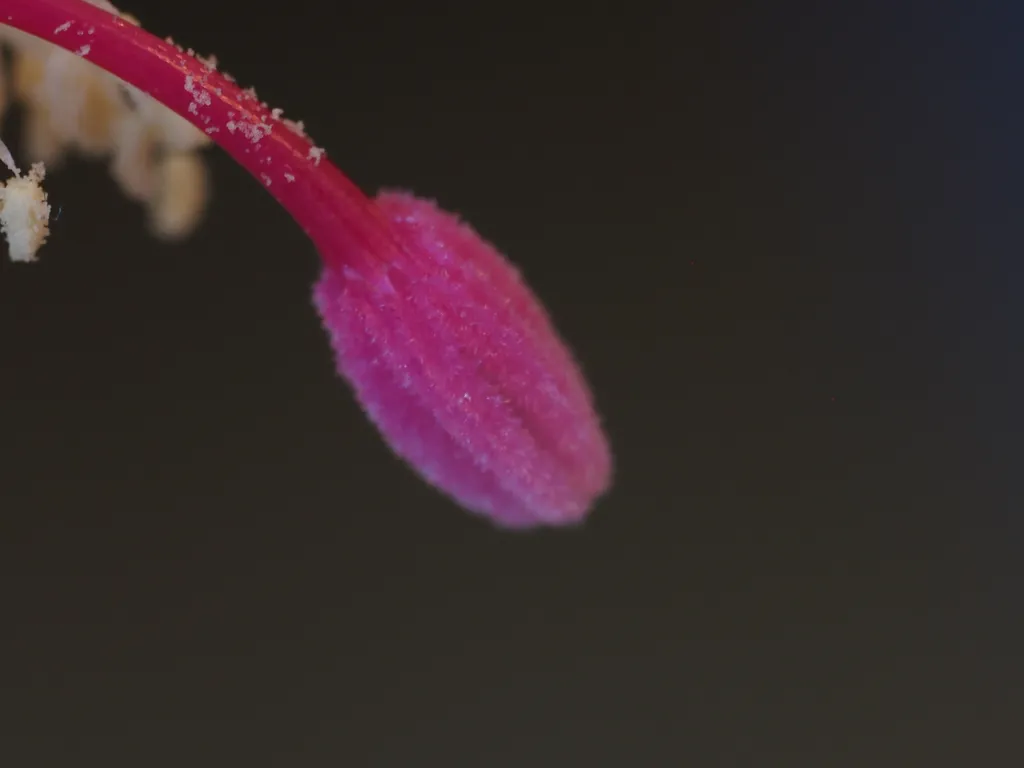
(342, 222)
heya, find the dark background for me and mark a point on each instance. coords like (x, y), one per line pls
(785, 241)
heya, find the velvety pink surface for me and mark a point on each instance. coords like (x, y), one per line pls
(458, 365)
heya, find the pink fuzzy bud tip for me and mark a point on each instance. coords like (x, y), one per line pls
(458, 365)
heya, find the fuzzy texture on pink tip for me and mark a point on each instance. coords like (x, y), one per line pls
(457, 364)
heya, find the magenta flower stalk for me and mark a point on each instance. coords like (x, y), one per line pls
(447, 350)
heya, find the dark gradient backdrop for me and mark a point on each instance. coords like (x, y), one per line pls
(785, 240)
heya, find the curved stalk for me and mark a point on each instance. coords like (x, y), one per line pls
(332, 211)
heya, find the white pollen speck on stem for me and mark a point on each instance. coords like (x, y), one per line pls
(62, 28)
(84, 50)
(315, 154)
(252, 131)
(289, 177)
(295, 126)
(200, 97)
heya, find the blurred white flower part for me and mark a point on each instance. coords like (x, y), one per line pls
(71, 105)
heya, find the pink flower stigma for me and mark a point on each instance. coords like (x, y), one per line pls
(447, 350)
(457, 363)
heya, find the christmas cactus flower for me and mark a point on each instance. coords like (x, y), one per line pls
(445, 347)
